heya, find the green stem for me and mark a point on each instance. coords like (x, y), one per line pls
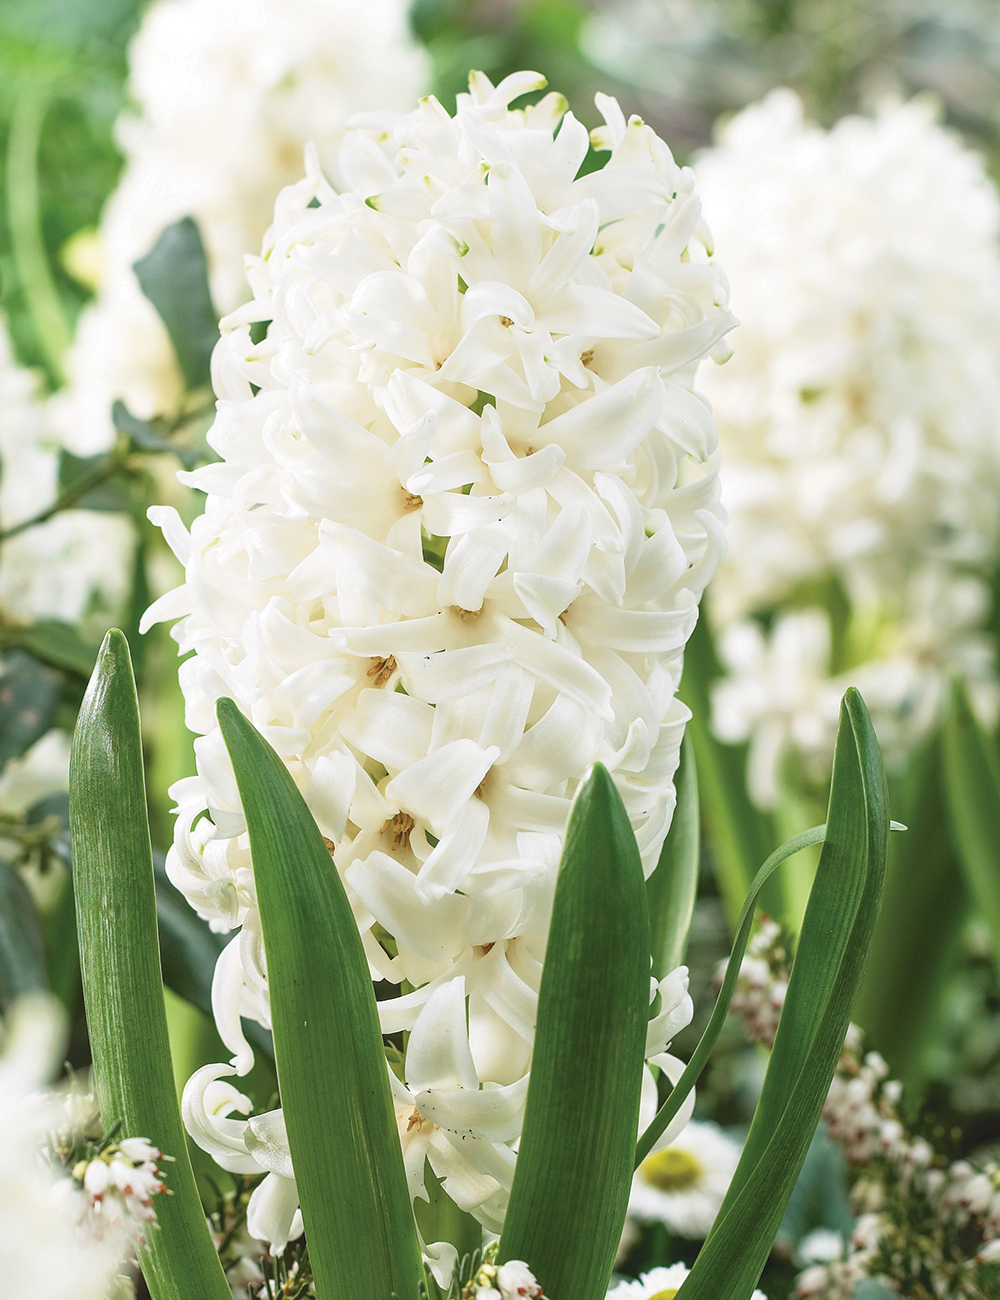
(105, 469)
(25, 219)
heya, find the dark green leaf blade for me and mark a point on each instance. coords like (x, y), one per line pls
(22, 945)
(116, 917)
(174, 277)
(672, 887)
(29, 697)
(825, 977)
(972, 786)
(53, 642)
(583, 1099)
(328, 1045)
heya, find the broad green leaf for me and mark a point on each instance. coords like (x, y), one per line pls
(189, 949)
(29, 697)
(22, 946)
(829, 963)
(327, 1042)
(146, 437)
(116, 916)
(917, 938)
(972, 787)
(52, 642)
(739, 835)
(174, 277)
(574, 1166)
(672, 887)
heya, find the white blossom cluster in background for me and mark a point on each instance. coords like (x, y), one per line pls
(227, 93)
(451, 554)
(74, 565)
(921, 1221)
(66, 1229)
(860, 425)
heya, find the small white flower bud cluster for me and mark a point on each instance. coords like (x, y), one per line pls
(511, 1281)
(914, 1212)
(762, 984)
(120, 1182)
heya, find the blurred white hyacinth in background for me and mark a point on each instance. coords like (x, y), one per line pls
(658, 1284)
(73, 565)
(227, 93)
(859, 421)
(451, 555)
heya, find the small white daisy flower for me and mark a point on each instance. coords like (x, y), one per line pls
(658, 1284)
(683, 1185)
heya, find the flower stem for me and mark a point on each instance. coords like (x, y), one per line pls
(24, 215)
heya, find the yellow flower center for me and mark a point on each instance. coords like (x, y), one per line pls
(665, 1295)
(671, 1170)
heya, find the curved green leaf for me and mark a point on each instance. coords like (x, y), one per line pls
(699, 1058)
(574, 1167)
(672, 887)
(327, 1043)
(829, 963)
(972, 786)
(120, 965)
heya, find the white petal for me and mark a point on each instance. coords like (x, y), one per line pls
(330, 791)
(271, 1212)
(437, 1054)
(267, 1141)
(205, 1106)
(227, 997)
(436, 788)
(495, 1114)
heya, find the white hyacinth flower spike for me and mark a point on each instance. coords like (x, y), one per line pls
(465, 508)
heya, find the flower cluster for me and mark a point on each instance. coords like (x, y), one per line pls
(228, 92)
(859, 421)
(465, 507)
(925, 1228)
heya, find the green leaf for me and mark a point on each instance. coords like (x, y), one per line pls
(22, 946)
(327, 1042)
(829, 963)
(174, 277)
(189, 949)
(52, 642)
(146, 436)
(574, 1166)
(93, 481)
(972, 787)
(116, 917)
(672, 887)
(29, 698)
(739, 834)
(918, 935)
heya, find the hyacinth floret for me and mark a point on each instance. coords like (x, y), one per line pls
(465, 508)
